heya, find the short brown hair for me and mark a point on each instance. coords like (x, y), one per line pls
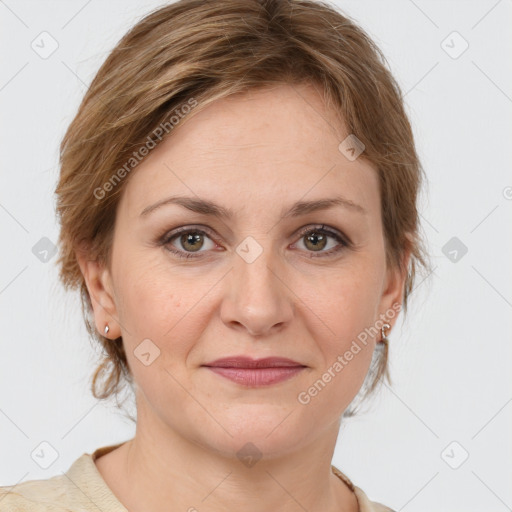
(207, 50)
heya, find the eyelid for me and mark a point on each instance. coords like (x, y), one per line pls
(326, 229)
(342, 239)
(172, 233)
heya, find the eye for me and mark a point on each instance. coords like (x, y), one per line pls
(184, 242)
(316, 239)
(190, 242)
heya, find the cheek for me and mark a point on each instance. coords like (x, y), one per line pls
(349, 300)
(348, 307)
(347, 349)
(150, 292)
(162, 304)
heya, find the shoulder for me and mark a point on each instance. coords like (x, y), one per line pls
(35, 496)
(80, 489)
(365, 504)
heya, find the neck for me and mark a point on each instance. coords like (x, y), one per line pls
(160, 470)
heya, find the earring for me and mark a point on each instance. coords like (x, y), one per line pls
(107, 328)
(382, 329)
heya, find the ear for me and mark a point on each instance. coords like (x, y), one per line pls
(98, 280)
(392, 292)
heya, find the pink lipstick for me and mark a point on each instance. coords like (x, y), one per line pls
(255, 372)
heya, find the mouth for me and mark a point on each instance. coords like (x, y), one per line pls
(255, 372)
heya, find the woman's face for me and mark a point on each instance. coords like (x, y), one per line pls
(264, 281)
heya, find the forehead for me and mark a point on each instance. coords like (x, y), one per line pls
(269, 147)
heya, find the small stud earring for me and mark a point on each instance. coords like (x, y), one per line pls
(382, 329)
(107, 328)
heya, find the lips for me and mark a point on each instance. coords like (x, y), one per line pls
(247, 362)
(255, 372)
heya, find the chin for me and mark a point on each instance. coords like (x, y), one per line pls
(257, 430)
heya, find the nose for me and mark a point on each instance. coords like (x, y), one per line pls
(258, 300)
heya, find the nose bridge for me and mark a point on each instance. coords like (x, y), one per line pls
(254, 263)
(254, 270)
(258, 299)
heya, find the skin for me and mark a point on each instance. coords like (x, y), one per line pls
(255, 153)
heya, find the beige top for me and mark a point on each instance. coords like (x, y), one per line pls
(82, 489)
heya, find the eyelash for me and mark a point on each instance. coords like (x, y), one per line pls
(169, 237)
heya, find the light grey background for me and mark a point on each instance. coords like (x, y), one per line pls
(450, 361)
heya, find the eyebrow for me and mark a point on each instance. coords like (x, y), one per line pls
(206, 207)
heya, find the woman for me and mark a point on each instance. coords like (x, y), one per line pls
(237, 202)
